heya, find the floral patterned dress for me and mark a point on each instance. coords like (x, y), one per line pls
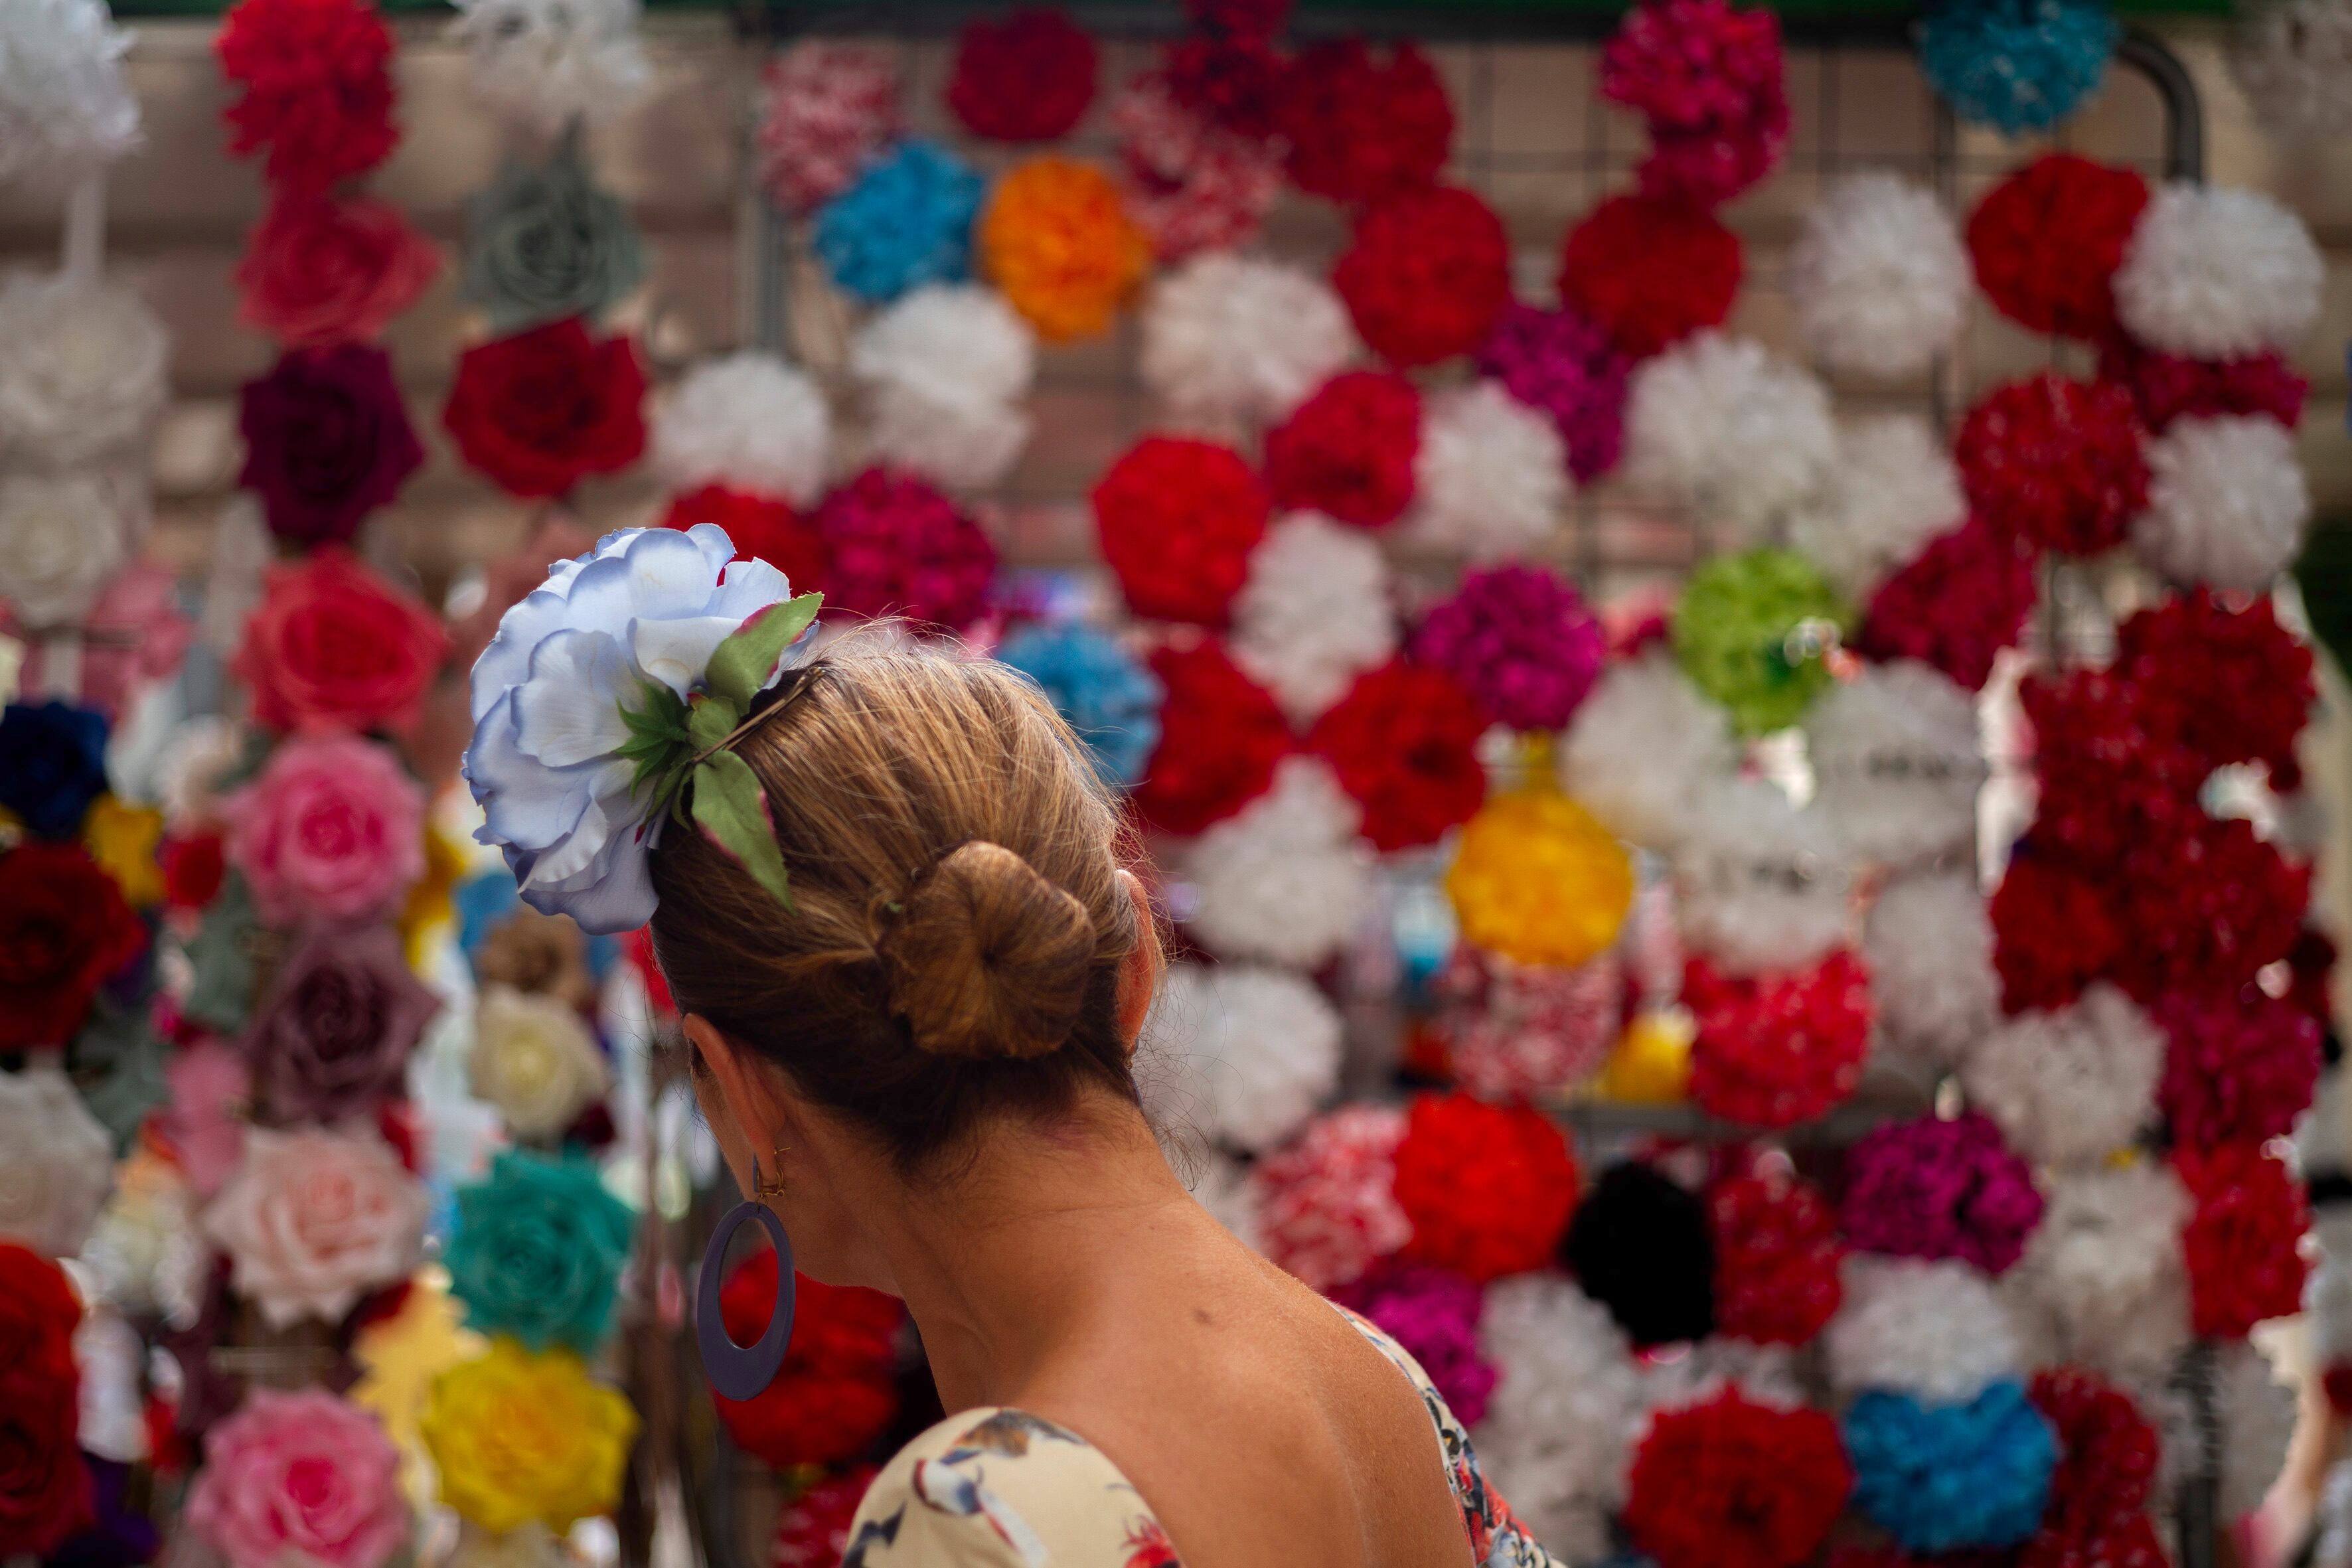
(998, 1487)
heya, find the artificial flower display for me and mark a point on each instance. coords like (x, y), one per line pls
(2240, 1240)
(2227, 504)
(762, 529)
(2240, 685)
(1360, 128)
(60, 1163)
(331, 828)
(2212, 272)
(1537, 880)
(1754, 632)
(1932, 1188)
(544, 243)
(895, 546)
(836, 1390)
(45, 1488)
(1650, 272)
(65, 108)
(333, 643)
(1193, 184)
(2104, 1278)
(1404, 742)
(542, 410)
(1347, 450)
(538, 1251)
(535, 1061)
(1491, 477)
(1929, 944)
(319, 271)
(519, 1436)
(2055, 463)
(1055, 239)
(1487, 1189)
(1515, 1031)
(1315, 612)
(2106, 1468)
(1710, 81)
(1567, 1404)
(1028, 77)
(134, 636)
(1178, 520)
(1238, 335)
(2016, 65)
(300, 1473)
(1220, 736)
(313, 1220)
(1897, 762)
(905, 221)
(1729, 432)
(2072, 1085)
(52, 766)
(2167, 386)
(83, 368)
(1765, 886)
(1284, 880)
(203, 1123)
(537, 954)
(1940, 1476)
(825, 109)
(1248, 1052)
(65, 929)
(116, 1065)
(1521, 640)
(1879, 276)
(545, 64)
(946, 371)
(1640, 1246)
(1327, 1204)
(1426, 274)
(1772, 1050)
(2237, 1069)
(331, 1039)
(1778, 1257)
(1644, 746)
(2047, 239)
(314, 80)
(62, 537)
(1934, 1329)
(1569, 367)
(1433, 1315)
(1733, 1483)
(1892, 492)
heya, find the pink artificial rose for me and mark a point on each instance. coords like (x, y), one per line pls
(133, 636)
(300, 1477)
(313, 1220)
(203, 1123)
(331, 828)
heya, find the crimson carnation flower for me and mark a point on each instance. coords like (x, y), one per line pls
(1520, 638)
(1777, 1258)
(2113, 772)
(1360, 131)
(813, 1529)
(1239, 18)
(1569, 368)
(539, 411)
(2047, 241)
(1711, 83)
(2055, 462)
(1221, 735)
(317, 88)
(2237, 686)
(1775, 1049)
(2237, 1069)
(1348, 451)
(64, 929)
(1488, 1187)
(1028, 77)
(837, 1390)
(2055, 929)
(1650, 270)
(763, 526)
(895, 546)
(2106, 1466)
(1937, 1189)
(1955, 606)
(1234, 82)
(1427, 276)
(1730, 1483)
(1178, 519)
(2243, 1239)
(1404, 743)
(2166, 387)
(2211, 905)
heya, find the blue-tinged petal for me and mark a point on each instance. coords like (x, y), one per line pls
(677, 652)
(570, 710)
(524, 803)
(609, 809)
(615, 894)
(749, 587)
(654, 571)
(717, 548)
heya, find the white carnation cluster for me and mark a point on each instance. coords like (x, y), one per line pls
(1642, 747)
(2072, 1086)
(543, 64)
(2103, 1283)
(1240, 1054)
(60, 1163)
(1567, 1405)
(1314, 612)
(2212, 272)
(1936, 1330)
(1892, 492)
(1762, 884)
(945, 373)
(1897, 762)
(65, 110)
(1229, 337)
(1880, 277)
(83, 368)
(1927, 943)
(748, 421)
(1284, 879)
(2294, 58)
(1491, 475)
(2226, 500)
(1764, 1375)
(1717, 424)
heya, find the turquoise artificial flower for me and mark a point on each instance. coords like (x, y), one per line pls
(1105, 692)
(538, 1250)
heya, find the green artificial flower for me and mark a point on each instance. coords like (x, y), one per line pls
(543, 244)
(117, 1065)
(1755, 631)
(538, 1250)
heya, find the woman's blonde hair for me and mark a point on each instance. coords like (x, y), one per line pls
(957, 924)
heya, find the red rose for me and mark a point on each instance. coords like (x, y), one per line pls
(1428, 274)
(763, 529)
(333, 643)
(39, 1313)
(1178, 519)
(539, 410)
(64, 929)
(837, 1389)
(1028, 77)
(1404, 743)
(317, 270)
(1220, 738)
(44, 1487)
(1650, 270)
(1348, 451)
(318, 88)
(1488, 1187)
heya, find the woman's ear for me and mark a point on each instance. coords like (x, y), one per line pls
(740, 1101)
(1139, 971)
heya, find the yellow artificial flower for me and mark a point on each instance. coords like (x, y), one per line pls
(518, 1436)
(400, 1357)
(1538, 879)
(1058, 241)
(122, 839)
(1651, 1065)
(430, 906)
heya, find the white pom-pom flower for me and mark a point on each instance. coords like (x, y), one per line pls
(945, 369)
(1761, 884)
(62, 537)
(1892, 492)
(58, 1166)
(2103, 1283)
(748, 421)
(2213, 272)
(1242, 1054)
(1717, 424)
(1567, 1405)
(545, 63)
(1765, 1375)
(1927, 943)
(1229, 337)
(2072, 1086)
(1314, 612)
(1642, 747)
(1880, 277)
(962, 445)
(1284, 879)
(83, 368)
(1491, 477)
(1936, 1330)
(2294, 58)
(65, 110)
(1897, 762)
(2226, 502)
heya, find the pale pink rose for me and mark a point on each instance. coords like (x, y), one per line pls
(300, 1477)
(204, 1122)
(331, 828)
(313, 1220)
(133, 636)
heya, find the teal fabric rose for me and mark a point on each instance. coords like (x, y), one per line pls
(543, 244)
(538, 1250)
(117, 1064)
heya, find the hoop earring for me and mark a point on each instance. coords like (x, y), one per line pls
(740, 1372)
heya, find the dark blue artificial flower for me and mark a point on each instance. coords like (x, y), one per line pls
(52, 766)
(1942, 1477)
(1106, 693)
(2018, 65)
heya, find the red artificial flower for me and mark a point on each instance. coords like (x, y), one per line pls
(39, 1314)
(838, 1388)
(1360, 131)
(813, 1529)
(1777, 1258)
(64, 929)
(333, 643)
(1961, 601)
(2167, 387)
(44, 1487)
(327, 441)
(637, 947)
(317, 270)
(1405, 744)
(2210, 906)
(2311, 967)
(2113, 772)
(1428, 274)
(1776, 1050)
(1221, 735)
(2055, 929)
(2243, 1239)
(1239, 18)
(895, 545)
(763, 526)
(1027, 77)
(1650, 270)
(317, 80)
(1710, 80)
(539, 411)
(1234, 82)
(2047, 241)
(2107, 1455)
(1488, 1188)
(1734, 1484)
(1348, 451)
(192, 867)
(1178, 519)
(2131, 1543)
(2237, 685)
(2054, 462)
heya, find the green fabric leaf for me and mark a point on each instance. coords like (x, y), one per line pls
(712, 721)
(742, 665)
(659, 741)
(117, 1063)
(221, 955)
(733, 810)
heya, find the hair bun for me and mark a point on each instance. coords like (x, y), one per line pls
(987, 958)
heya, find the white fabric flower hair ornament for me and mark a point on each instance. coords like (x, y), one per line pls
(606, 702)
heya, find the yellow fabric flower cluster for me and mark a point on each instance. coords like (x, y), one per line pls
(518, 1436)
(1058, 241)
(1538, 879)
(122, 839)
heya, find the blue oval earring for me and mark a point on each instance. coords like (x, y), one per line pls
(741, 1371)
